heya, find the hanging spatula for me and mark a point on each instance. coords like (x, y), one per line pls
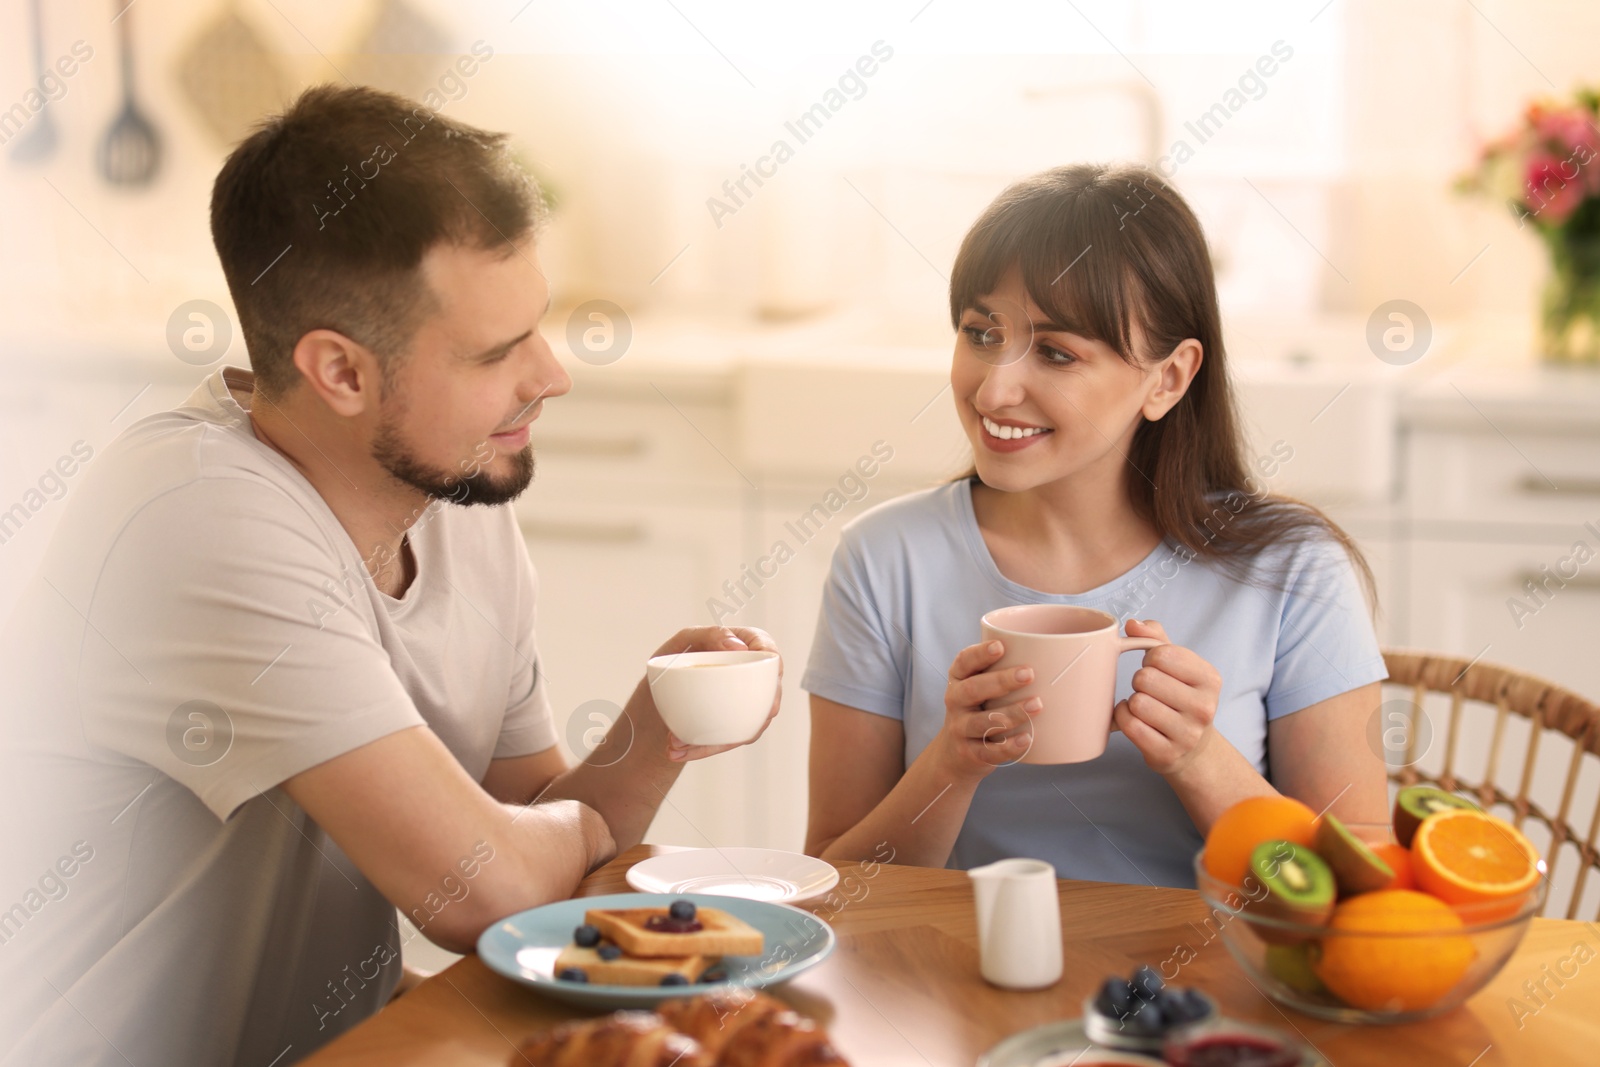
(130, 154)
(38, 141)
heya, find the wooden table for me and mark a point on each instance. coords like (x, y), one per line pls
(902, 988)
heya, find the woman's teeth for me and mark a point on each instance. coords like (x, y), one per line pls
(1006, 433)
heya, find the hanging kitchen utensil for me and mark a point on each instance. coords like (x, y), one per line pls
(404, 52)
(229, 75)
(38, 141)
(131, 151)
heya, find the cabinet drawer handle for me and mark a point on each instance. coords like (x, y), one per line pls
(1568, 486)
(620, 533)
(592, 447)
(1583, 583)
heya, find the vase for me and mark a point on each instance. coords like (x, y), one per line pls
(1570, 319)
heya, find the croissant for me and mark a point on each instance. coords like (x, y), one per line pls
(781, 1039)
(714, 1018)
(623, 1039)
(729, 1027)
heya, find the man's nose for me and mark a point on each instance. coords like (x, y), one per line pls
(546, 376)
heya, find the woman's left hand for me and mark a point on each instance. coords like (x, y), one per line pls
(1169, 715)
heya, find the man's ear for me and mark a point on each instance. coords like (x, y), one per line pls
(343, 372)
(1173, 376)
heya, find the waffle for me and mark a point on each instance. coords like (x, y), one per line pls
(721, 933)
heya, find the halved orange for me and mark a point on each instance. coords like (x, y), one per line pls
(1467, 857)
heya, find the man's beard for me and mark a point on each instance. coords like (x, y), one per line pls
(458, 487)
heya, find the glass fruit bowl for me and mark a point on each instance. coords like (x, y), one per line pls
(1393, 960)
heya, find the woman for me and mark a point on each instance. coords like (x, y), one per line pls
(1109, 472)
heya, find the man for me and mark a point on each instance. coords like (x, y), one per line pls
(277, 674)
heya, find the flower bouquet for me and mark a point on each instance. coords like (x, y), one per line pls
(1547, 170)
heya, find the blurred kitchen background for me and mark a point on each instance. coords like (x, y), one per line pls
(733, 363)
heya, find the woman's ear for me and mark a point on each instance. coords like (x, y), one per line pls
(1172, 378)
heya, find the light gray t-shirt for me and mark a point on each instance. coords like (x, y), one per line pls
(912, 577)
(201, 629)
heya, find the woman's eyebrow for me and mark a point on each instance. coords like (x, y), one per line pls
(1044, 326)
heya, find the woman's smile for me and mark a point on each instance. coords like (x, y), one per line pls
(1010, 435)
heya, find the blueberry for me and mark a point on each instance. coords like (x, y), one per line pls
(609, 952)
(1146, 982)
(586, 936)
(674, 979)
(1146, 1020)
(1174, 1008)
(1195, 1005)
(681, 909)
(573, 974)
(1114, 997)
(716, 974)
(1120, 994)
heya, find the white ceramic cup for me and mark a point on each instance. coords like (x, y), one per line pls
(713, 698)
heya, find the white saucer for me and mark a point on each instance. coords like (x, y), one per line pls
(752, 873)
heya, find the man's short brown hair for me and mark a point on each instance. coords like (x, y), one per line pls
(321, 218)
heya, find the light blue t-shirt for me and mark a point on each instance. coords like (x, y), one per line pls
(911, 578)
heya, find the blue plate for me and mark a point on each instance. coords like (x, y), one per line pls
(524, 946)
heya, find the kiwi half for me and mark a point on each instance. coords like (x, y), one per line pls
(1295, 886)
(1356, 868)
(1416, 802)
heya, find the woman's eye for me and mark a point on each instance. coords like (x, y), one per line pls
(987, 336)
(984, 336)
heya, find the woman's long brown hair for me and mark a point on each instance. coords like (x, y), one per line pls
(1100, 247)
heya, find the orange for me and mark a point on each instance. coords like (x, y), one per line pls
(1471, 858)
(1398, 857)
(1415, 954)
(1253, 820)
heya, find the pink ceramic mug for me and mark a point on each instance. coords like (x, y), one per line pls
(1073, 652)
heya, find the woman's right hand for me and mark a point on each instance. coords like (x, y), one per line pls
(976, 740)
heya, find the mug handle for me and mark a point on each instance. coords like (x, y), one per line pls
(1134, 644)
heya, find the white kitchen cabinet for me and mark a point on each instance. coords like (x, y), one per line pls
(655, 440)
(635, 517)
(787, 605)
(1516, 475)
(615, 581)
(1500, 560)
(1462, 595)
(1502, 547)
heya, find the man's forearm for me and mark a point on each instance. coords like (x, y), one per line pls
(625, 790)
(534, 855)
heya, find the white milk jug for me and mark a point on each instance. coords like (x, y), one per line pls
(1019, 923)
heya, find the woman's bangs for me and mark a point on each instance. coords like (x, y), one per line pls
(1073, 266)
